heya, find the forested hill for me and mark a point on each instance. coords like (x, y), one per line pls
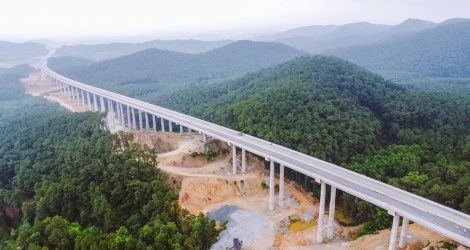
(11, 89)
(317, 39)
(334, 110)
(443, 51)
(154, 65)
(19, 51)
(300, 96)
(100, 52)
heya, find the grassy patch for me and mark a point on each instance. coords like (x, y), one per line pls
(301, 225)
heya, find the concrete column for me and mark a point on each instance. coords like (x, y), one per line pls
(404, 232)
(67, 89)
(393, 235)
(73, 95)
(181, 129)
(123, 118)
(95, 103)
(83, 97)
(243, 160)
(234, 159)
(170, 126)
(128, 111)
(118, 113)
(133, 119)
(70, 92)
(146, 120)
(103, 108)
(271, 185)
(204, 137)
(154, 122)
(321, 213)
(108, 103)
(140, 126)
(281, 186)
(331, 214)
(77, 95)
(111, 112)
(77, 92)
(88, 99)
(163, 124)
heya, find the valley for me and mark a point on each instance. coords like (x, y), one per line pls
(204, 186)
(365, 114)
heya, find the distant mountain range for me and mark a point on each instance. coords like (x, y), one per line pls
(19, 51)
(442, 51)
(164, 66)
(317, 39)
(99, 52)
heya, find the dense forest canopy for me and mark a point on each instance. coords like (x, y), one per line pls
(331, 109)
(334, 110)
(319, 105)
(14, 103)
(67, 184)
(9, 85)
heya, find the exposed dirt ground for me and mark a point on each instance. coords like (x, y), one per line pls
(204, 186)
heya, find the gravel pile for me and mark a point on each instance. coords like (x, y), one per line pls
(255, 230)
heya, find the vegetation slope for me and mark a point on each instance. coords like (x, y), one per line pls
(19, 51)
(67, 184)
(334, 110)
(433, 59)
(155, 69)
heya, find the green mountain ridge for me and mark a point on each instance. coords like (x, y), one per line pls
(318, 39)
(99, 52)
(152, 66)
(20, 51)
(328, 81)
(443, 51)
(334, 110)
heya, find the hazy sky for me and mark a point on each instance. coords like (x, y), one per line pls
(25, 19)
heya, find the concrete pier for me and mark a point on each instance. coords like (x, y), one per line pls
(331, 214)
(321, 213)
(271, 185)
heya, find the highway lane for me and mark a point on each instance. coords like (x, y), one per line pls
(427, 213)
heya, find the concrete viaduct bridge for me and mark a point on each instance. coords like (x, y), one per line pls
(134, 114)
